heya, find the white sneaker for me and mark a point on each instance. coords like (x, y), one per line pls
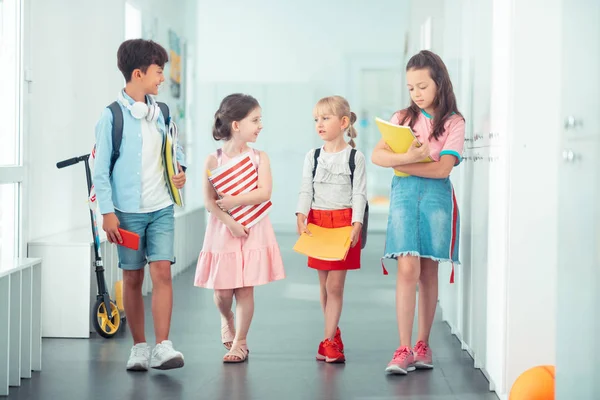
(139, 357)
(165, 357)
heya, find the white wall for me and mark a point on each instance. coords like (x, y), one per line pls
(420, 12)
(578, 275)
(533, 182)
(273, 41)
(71, 50)
(287, 55)
(501, 102)
(515, 330)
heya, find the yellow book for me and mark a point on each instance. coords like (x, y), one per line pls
(329, 244)
(398, 137)
(169, 151)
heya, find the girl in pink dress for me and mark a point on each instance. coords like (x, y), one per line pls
(234, 258)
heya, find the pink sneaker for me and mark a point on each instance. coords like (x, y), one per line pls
(423, 356)
(403, 361)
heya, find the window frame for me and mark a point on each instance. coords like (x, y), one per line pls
(15, 174)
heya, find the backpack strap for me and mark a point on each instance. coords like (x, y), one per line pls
(352, 162)
(117, 133)
(165, 112)
(117, 129)
(316, 158)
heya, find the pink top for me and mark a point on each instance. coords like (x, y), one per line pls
(228, 262)
(452, 140)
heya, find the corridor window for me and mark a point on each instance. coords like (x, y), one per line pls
(11, 165)
(133, 22)
(8, 221)
(426, 34)
(10, 82)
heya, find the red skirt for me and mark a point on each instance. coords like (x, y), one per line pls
(335, 219)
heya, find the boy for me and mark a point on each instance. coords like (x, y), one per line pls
(135, 197)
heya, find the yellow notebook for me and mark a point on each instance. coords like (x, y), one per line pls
(398, 137)
(170, 162)
(329, 244)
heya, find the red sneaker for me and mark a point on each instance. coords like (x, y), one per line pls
(321, 352)
(332, 352)
(338, 339)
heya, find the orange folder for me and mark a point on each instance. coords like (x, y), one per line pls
(329, 244)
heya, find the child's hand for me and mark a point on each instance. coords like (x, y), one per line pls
(226, 202)
(418, 153)
(355, 234)
(179, 179)
(238, 230)
(110, 224)
(302, 225)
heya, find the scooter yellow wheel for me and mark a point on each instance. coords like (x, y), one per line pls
(106, 325)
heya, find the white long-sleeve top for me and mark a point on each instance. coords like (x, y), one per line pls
(332, 188)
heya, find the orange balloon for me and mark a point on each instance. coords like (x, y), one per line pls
(536, 383)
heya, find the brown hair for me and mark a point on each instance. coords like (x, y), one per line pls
(444, 102)
(139, 54)
(234, 107)
(338, 106)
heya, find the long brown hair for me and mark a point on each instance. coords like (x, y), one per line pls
(444, 102)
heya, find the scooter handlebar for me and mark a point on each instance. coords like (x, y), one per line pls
(66, 163)
(70, 161)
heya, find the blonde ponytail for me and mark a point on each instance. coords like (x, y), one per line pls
(351, 130)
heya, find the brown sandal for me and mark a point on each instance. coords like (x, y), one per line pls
(238, 349)
(228, 332)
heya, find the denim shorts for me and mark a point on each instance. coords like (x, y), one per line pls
(156, 230)
(423, 219)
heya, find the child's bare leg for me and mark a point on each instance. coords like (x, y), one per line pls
(406, 288)
(428, 296)
(134, 303)
(244, 310)
(335, 297)
(162, 298)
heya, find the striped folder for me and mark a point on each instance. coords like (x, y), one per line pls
(236, 177)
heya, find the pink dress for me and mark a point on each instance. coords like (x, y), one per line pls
(227, 262)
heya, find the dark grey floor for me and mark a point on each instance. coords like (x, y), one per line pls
(283, 340)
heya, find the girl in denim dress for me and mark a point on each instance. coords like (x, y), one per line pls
(423, 222)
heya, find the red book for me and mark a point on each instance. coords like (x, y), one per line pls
(239, 176)
(131, 240)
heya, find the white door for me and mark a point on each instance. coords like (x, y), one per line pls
(482, 68)
(578, 297)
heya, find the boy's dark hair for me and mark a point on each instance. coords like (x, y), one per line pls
(234, 107)
(445, 101)
(140, 54)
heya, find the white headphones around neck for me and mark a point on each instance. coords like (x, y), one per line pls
(141, 110)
